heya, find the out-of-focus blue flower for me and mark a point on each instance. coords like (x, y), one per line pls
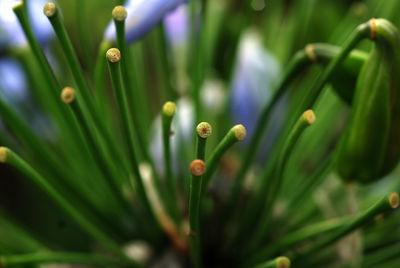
(12, 81)
(256, 72)
(143, 15)
(177, 26)
(11, 33)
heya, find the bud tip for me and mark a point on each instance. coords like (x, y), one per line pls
(240, 132)
(169, 109)
(282, 262)
(49, 9)
(18, 4)
(394, 200)
(309, 117)
(3, 154)
(113, 55)
(119, 13)
(68, 95)
(204, 130)
(197, 167)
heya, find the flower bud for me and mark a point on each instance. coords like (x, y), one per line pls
(369, 148)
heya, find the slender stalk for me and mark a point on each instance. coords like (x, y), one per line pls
(235, 134)
(57, 257)
(197, 169)
(114, 57)
(280, 262)
(167, 114)
(104, 165)
(298, 62)
(387, 203)
(275, 182)
(50, 10)
(119, 15)
(47, 158)
(88, 105)
(20, 10)
(360, 33)
(8, 156)
(99, 80)
(296, 237)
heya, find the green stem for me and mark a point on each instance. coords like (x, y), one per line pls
(235, 134)
(296, 237)
(56, 257)
(99, 156)
(20, 11)
(88, 104)
(119, 15)
(197, 168)
(8, 156)
(167, 114)
(275, 182)
(385, 204)
(298, 62)
(114, 57)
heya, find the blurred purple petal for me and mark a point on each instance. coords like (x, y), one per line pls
(256, 72)
(12, 81)
(143, 15)
(177, 26)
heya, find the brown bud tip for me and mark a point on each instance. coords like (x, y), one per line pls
(394, 200)
(204, 130)
(119, 13)
(169, 109)
(49, 9)
(3, 154)
(113, 55)
(197, 167)
(309, 117)
(282, 262)
(68, 95)
(240, 132)
(372, 26)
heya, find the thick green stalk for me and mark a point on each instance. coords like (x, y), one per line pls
(56, 257)
(7, 156)
(385, 204)
(197, 169)
(235, 134)
(280, 262)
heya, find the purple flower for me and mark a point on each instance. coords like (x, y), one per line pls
(256, 72)
(177, 26)
(11, 33)
(143, 15)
